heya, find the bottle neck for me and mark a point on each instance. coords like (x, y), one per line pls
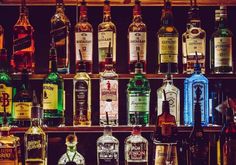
(83, 18)
(25, 81)
(137, 18)
(197, 117)
(5, 131)
(35, 122)
(83, 14)
(138, 70)
(53, 64)
(106, 13)
(167, 18)
(195, 23)
(223, 22)
(3, 63)
(59, 8)
(71, 148)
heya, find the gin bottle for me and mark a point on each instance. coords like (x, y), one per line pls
(1, 37)
(72, 156)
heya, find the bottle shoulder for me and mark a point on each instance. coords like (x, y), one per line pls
(33, 130)
(107, 26)
(222, 33)
(53, 77)
(83, 27)
(107, 139)
(139, 82)
(135, 139)
(137, 27)
(59, 18)
(82, 76)
(198, 78)
(167, 31)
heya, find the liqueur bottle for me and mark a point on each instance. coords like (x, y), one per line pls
(193, 40)
(82, 96)
(72, 156)
(221, 46)
(136, 148)
(23, 42)
(60, 27)
(1, 37)
(84, 39)
(167, 38)
(137, 35)
(106, 35)
(53, 93)
(35, 138)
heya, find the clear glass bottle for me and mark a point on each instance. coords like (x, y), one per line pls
(107, 148)
(106, 35)
(72, 156)
(23, 42)
(136, 148)
(1, 37)
(60, 29)
(84, 39)
(137, 35)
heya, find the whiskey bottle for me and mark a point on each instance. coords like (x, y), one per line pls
(106, 35)
(136, 148)
(84, 39)
(1, 37)
(72, 156)
(167, 38)
(35, 138)
(60, 27)
(138, 96)
(194, 40)
(53, 93)
(221, 46)
(137, 35)
(23, 42)
(82, 96)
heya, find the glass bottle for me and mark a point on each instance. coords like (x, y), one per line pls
(82, 96)
(84, 39)
(106, 35)
(194, 40)
(196, 80)
(72, 156)
(136, 148)
(107, 148)
(1, 37)
(138, 96)
(137, 35)
(35, 138)
(53, 93)
(23, 42)
(60, 27)
(221, 47)
(167, 38)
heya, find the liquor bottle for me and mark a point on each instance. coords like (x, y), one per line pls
(221, 46)
(198, 143)
(84, 39)
(35, 138)
(136, 148)
(167, 38)
(72, 156)
(60, 27)
(6, 89)
(194, 40)
(191, 84)
(23, 42)
(137, 35)
(138, 96)
(107, 148)
(22, 102)
(106, 35)
(53, 93)
(82, 96)
(109, 92)
(1, 37)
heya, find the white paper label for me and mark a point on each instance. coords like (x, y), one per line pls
(195, 45)
(137, 44)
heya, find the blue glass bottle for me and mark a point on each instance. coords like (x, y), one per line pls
(190, 85)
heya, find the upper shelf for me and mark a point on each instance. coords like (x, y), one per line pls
(121, 2)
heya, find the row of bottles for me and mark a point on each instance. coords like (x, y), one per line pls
(193, 40)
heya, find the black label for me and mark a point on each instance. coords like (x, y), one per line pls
(22, 43)
(59, 33)
(34, 147)
(81, 98)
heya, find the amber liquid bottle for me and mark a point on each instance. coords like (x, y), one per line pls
(1, 37)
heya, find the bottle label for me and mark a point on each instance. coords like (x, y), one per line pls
(137, 44)
(139, 103)
(84, 43)
(5, 94)
(35, 147)
(59, 35)
(199, 152)
(136, 151)
(8, 155)
(168, 48)
(229, 152)
(22, 110)
(23, 42)
(195, 45)
(108, 153)
(50, 96)
(223, 51)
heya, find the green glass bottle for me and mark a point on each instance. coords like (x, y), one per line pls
(138, 95)
(53, 93)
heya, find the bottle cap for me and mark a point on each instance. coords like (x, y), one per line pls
(71, 139)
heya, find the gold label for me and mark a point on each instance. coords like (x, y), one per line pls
(195, 45)
(22, 110)
(168, 49)
(5, 94)
(8, 155)
(166, 153)
(50, 96)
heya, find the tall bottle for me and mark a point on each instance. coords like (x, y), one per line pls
(106, 35)
(53, 93)
(138, 96)
(1, 37)
(84, 39)
(191, 84)
(60, 28)
(137, 35)
(82, 96)
(23, 42)
(193, 40)
(221, 46)
(35, 138)
(167, 38)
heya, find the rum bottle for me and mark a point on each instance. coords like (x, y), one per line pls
(1, 37)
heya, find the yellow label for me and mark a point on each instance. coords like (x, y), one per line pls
(6, 94)
(168, 49)
(22, 110)
(50, 96)
(166, 153)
